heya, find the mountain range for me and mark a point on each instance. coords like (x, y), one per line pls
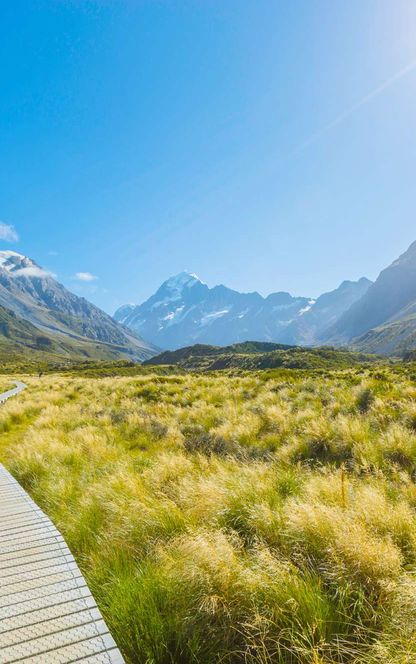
(40, 318)
(185, 311)
(37, 312)
(377, 317)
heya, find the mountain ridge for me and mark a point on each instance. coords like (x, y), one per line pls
(34, 295)
(185, 311)
(382, 315)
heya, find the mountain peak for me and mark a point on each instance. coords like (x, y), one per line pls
(12, 260)
(182, 280)
(9, 258)
(409, 256)
(34, 296)
(349, 283)
(18, 265)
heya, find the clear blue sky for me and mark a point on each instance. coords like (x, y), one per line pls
(268, 145)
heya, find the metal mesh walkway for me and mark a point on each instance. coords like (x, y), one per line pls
(47, 613)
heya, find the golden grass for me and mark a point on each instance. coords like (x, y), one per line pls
(232, 519)
(6, 384)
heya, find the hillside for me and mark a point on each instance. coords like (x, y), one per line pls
(254, 355)
(19, 338)
(372, 321)
(24, 345)
(36, 297)
(394, 338)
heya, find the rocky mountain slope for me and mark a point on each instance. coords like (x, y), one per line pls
(33, 295)
(310, 328)
(384, 319)
(186, 311)
(394, 338)
(392, 296)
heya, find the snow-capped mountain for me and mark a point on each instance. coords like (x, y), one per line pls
(34, 295)
(185, 311)
(19, 265)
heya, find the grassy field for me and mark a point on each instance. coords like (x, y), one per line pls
(218, 518)
(6, 384)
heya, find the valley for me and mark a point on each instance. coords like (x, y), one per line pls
(208, 332)
(241, 503)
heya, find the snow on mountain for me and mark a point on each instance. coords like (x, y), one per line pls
(173, 289)
(18, 265)
(307, 308)
(12, 261)
(182, 280)
(184, 311)
(34, 295)
(123, 312)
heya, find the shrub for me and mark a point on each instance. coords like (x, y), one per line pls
(364, 400)
(197, 440)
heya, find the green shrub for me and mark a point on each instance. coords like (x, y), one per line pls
(364, 400)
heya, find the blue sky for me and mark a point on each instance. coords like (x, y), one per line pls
(267, 145)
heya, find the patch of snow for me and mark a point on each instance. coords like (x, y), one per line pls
(6, 261)
(21, 266)
(174, 316)
(209, 318)
(195, 276)
(175, 287)
(182, 280)
(243, 313)
(307, 308)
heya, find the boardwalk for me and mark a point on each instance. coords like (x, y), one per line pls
(12, 393)
(47, 613)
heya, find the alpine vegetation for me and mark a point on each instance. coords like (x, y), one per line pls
(233, 517)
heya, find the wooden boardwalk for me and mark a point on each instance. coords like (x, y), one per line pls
(12, 393)
(47, 613)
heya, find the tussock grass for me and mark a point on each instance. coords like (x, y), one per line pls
(233, 518)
